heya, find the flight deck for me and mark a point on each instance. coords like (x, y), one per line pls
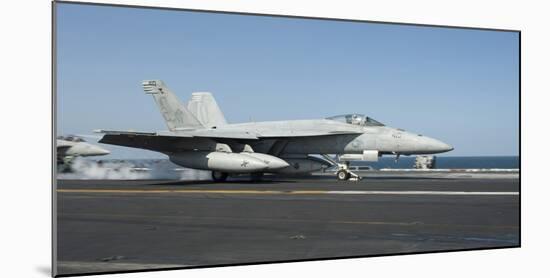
(121, 225)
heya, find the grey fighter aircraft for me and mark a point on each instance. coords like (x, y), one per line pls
(69, 147)
(199, 137)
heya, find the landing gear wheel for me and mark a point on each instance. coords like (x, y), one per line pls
(219, 176)
(342, 175)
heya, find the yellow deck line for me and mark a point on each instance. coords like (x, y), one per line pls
(170, 191)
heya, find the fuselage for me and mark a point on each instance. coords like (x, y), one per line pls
(384, 139)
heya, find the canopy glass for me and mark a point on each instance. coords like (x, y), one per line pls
(356, 119)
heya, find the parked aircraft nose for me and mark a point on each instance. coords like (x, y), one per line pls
(100, 151)
(85, 149)
(94, 150)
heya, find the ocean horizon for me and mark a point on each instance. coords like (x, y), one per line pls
(404, 162)
(447, 162)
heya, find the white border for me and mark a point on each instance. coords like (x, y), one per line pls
(26, 125)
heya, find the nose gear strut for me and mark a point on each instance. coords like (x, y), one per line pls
(343, 173)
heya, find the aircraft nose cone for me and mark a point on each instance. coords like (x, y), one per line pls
(96, 150)
(440, 147)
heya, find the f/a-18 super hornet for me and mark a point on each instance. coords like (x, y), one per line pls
(199, 137)
(70, 147)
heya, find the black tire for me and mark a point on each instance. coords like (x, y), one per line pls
(219, 176)
(342, 175)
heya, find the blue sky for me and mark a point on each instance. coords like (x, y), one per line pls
(456, 85)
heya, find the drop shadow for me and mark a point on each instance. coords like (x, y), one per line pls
(228, 182)
(405, 178)
(44, 270)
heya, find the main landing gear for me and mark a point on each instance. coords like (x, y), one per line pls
(219, 176)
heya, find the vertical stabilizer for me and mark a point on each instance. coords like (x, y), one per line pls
(175, 115)
(204, 107)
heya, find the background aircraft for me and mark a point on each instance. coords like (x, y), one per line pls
(199, 137)
(69, 147)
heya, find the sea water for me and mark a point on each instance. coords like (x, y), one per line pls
(447, 162)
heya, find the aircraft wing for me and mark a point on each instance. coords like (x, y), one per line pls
(195, 139)
(230, 134)
(169, 141)
(206, 133)
(303, 133)
(246, 135)
(223, 134)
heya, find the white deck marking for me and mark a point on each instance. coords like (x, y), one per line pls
(295, 192)
(425, 192)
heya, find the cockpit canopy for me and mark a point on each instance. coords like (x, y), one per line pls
(356, 119)
(71, 138)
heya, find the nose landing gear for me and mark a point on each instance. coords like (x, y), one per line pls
(342, 175)
(343, 172)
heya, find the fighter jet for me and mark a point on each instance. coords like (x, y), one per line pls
(69, 147)
(199, 137)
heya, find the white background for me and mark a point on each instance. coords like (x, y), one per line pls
(26, 144)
